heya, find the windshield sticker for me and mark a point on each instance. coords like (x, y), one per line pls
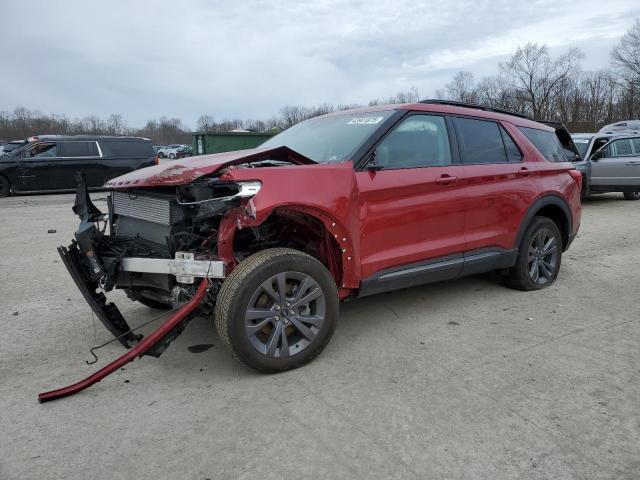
(365, 120)
(578, 140)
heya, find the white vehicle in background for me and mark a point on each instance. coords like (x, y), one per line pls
(630, 127)
(170, 151)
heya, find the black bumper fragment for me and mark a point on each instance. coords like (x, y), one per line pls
(108, 313)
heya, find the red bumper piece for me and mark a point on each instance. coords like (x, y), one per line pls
(135, 352)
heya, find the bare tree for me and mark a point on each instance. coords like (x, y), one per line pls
(625, 56)
(206, 123)
(625, 59)
(496, 92)
(461, 88)
(536, 77)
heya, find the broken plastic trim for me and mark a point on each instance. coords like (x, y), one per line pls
(136, 352)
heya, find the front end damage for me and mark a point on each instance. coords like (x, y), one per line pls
(173, 233)
(159, 245)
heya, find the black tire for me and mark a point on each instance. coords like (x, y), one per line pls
(5, 187)
(148, 302)
(631, 195)
(161, 155)
(520, 276)
(172, 156)
(236, 298)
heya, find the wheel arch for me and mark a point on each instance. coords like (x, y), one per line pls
(321, 236)
(553, 207)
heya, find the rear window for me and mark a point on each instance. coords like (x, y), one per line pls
(124, 148)
(78, 149)
(547, 144)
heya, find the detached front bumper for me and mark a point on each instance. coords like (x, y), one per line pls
(107, 313)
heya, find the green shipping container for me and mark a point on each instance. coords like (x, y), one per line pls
(206, 143)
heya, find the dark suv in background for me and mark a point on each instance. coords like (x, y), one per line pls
(49, 162)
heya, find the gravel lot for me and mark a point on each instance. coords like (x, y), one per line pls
(456, 380)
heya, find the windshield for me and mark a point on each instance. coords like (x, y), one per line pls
(329, 139)
(582, 144)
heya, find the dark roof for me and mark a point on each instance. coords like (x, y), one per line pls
(87, 137)
(486, 108)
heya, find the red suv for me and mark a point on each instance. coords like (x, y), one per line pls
(267, 241)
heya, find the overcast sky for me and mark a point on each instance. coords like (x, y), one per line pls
(247, 59)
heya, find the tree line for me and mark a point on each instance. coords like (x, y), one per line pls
(531, 81)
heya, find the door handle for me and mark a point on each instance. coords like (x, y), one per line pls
(633, 163)
(446, 179)
(523, 172)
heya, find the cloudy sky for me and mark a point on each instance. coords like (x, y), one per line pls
(247, 59)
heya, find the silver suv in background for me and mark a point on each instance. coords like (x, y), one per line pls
(610, 163)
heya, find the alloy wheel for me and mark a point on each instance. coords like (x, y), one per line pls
(284, 314)
(543, 256)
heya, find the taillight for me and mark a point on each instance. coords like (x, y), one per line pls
(577, 176)
(157, 160)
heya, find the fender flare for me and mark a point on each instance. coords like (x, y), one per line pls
(546, 200)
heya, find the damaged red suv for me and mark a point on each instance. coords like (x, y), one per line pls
(268, 241)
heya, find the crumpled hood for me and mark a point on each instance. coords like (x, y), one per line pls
(180, 172)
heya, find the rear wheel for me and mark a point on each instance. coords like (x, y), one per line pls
(5, 187)
(277, 310)
(161, 155)
(539, 256)
(172, 156)
(631, 195)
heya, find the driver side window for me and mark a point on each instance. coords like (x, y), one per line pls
(42, 150)
(419, 141)
(621, 148)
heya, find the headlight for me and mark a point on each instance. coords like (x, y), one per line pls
(248, 189)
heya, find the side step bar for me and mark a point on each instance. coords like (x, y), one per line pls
(135, 352)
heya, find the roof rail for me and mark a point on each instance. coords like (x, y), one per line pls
(475, 105)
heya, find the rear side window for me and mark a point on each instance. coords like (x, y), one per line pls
(513, 152)
(547, 144)
(481, 141)
(636, 145)
(126, 148)
(78, 149)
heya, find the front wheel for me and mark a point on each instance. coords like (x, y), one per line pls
(631, 195)
(172, 156)
(539, 256)
(277, 310)
(5, 187)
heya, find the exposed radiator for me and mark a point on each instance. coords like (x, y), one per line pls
(151, 209)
